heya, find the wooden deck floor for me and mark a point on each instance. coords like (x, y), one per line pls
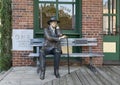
(106, 75)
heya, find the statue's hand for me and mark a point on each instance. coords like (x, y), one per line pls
(64, 36)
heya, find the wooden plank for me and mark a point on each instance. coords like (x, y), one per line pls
(101, 78)
(56, 81)
(75, 79)
(32, 55)
(111, 73)
(87, 76)
(49, 83)
(69, 80)
(83, 55)
(116, 69)
(108, 78)
(63, 81)
(94, 77)
(82, 78)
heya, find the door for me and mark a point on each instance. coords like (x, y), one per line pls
(111, 25)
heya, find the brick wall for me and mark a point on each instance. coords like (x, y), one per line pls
(22, 12)
(19, 58)
(92, 24)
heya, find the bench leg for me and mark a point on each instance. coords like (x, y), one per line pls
(38, 65)
(91, 66)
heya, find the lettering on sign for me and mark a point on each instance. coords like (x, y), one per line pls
(21, 39)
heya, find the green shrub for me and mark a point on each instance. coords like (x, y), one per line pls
(6, 32)
(5, 62)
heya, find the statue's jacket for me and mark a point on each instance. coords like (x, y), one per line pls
(51, 39)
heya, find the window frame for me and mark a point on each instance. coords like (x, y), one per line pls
(109, 14)
(75, 32)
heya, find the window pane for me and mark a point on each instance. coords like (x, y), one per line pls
(112, 24)
(67, 16)
(105, 6)
(46, 11)
(113, 6)
(66, 0)
(47, 0)
(105, 24)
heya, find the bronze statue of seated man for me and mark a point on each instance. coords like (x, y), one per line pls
(52, 36)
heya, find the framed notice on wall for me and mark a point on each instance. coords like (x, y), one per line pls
(21, 39)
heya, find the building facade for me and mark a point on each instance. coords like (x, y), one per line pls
(79, 18)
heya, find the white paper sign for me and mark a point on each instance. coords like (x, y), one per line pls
(109, 47)
(21, 39)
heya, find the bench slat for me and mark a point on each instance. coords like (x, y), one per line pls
(71, 41)
(71, 55)
(84, 55)
(33, 54)
(38, 42)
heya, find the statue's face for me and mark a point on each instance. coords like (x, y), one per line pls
(53, 24)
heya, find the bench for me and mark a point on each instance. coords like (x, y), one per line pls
(83, 42)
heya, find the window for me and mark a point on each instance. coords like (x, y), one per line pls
(65, 10)
(109, 17)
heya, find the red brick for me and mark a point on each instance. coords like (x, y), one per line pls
(92, 25)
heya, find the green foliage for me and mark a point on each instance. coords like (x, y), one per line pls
(5, 62)
(50, 10)
(6, 32)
